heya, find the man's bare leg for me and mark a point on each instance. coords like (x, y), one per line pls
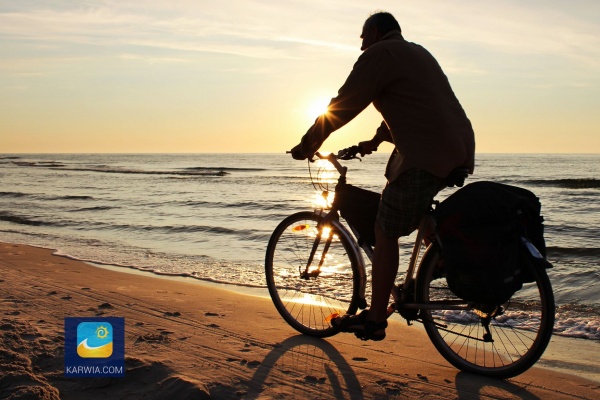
(385, 268)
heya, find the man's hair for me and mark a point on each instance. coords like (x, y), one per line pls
(384, 21)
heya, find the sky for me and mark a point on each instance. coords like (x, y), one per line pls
(125, 76)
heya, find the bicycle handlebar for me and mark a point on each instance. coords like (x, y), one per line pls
(348, 153)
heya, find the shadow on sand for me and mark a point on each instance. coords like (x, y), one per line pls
(312, 366)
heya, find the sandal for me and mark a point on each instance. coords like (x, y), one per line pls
(360, 326)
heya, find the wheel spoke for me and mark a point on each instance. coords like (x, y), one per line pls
(304, 297)
(520, 332)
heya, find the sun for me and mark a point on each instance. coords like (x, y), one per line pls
(318, 107)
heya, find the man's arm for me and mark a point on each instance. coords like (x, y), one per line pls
(381, 135)
(361, 87)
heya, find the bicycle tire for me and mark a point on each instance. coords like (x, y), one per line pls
(303, 303)
(521, 332)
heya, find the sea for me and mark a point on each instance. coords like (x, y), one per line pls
(209, 216)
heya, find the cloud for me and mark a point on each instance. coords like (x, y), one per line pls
(163, 31)
(151, 60)
(511, 28)
(117, 29)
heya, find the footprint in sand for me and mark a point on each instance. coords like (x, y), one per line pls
(313, 379)
(152, 337)
(212, 314)
(7, 327)
(172, 314)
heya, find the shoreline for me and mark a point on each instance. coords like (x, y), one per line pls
(579, 325)
(189, 339)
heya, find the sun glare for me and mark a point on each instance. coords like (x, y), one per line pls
(318, 107)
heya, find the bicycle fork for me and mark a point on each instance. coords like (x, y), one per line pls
(307, 274)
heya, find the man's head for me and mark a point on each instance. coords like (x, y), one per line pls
(376, 26)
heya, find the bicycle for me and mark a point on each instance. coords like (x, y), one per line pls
(315, 270)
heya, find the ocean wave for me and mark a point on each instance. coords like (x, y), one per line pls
(32, 221)
(73, 197)
(17, 219)
(573, 252)
(169, 229)
(584, 325)
(44, 197)
(225, 169)
(248, 205)
(194, 229)
(97, 208)
(252, 205)
(579, 183)
(142, 172)
(39, 164)
(117, 170)
(13, 194)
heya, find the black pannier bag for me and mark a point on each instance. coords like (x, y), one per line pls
(489, 234)
(359, 207)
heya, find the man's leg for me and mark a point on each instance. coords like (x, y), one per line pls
(385, 268)
(403, 204)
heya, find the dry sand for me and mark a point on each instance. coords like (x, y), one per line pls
(185, 340)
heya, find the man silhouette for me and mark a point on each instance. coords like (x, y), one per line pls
(431, 134)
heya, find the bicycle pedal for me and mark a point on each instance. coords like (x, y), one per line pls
(331, 316)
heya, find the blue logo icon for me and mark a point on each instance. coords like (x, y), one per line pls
(94, 339)
(94, 347)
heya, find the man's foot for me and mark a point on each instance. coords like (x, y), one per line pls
(360, 326)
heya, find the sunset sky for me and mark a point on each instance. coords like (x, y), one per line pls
(246, 76)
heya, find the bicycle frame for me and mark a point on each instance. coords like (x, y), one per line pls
(402, 300)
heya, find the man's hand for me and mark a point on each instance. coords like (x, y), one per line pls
(367, 147)
(297, 152)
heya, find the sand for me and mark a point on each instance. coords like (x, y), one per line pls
(188, 340)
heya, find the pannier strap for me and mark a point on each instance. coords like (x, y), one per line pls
(457, 177)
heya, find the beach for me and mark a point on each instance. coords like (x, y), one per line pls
(186, 339)
(210, 216)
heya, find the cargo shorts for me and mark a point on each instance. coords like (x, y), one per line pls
(405, 201)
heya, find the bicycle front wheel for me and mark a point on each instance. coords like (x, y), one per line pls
(312, 273)
(519, 330)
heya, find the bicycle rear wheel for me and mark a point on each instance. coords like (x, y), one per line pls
(305, 295)
(520, 329)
